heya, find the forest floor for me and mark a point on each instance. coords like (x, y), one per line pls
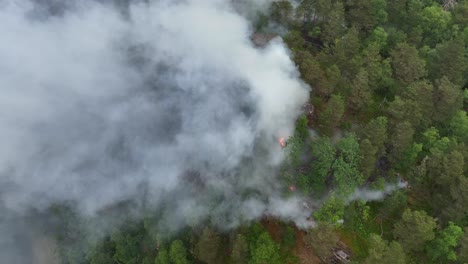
(300, 250)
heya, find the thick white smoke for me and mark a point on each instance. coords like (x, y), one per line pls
(166, 100)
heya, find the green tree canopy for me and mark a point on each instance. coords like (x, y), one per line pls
(207, 246)
(441, 249)
(382, 252)
(178, 253)
(414, 230)
(322, 239)
(240, 250)
(407, 65)
(265, 251)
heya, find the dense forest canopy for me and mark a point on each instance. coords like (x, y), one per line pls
(380, 154)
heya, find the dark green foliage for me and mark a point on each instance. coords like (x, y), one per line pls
(361, 94)
(102, 253)
(450, 60)
(330, 118)
(240, 250)
(366, 14)
(407, 65)
(322, 239)
(288, 238)
(281, 12)
(207, 246)
(463, 249)
(382, 252)
(393, 205)
(448, 99)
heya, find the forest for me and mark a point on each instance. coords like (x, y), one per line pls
(387, 115)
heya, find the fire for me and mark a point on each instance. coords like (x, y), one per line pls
(282, 142)
(292, 188)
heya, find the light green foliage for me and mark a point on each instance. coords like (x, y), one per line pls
(323, 152)
(378, 38)
(356, 215)
(331, 211)
(348, 148)
(414, 229)
(322, 239)
(382, 252)
(346, 167)
(162, 257)
(441, 249)
(435, 24)
(459, 126)
(178, 253)
(265, 251)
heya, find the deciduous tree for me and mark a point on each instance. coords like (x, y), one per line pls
(414, 229)
(322, 239)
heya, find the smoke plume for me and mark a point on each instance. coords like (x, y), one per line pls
(365, 194)
(165, 103)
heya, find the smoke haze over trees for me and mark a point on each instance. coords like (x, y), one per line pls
(234, 131)
(160, 103)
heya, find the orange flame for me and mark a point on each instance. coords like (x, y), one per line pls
(282, 142)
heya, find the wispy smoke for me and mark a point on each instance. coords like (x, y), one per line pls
(375, 195)
(162, 101)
